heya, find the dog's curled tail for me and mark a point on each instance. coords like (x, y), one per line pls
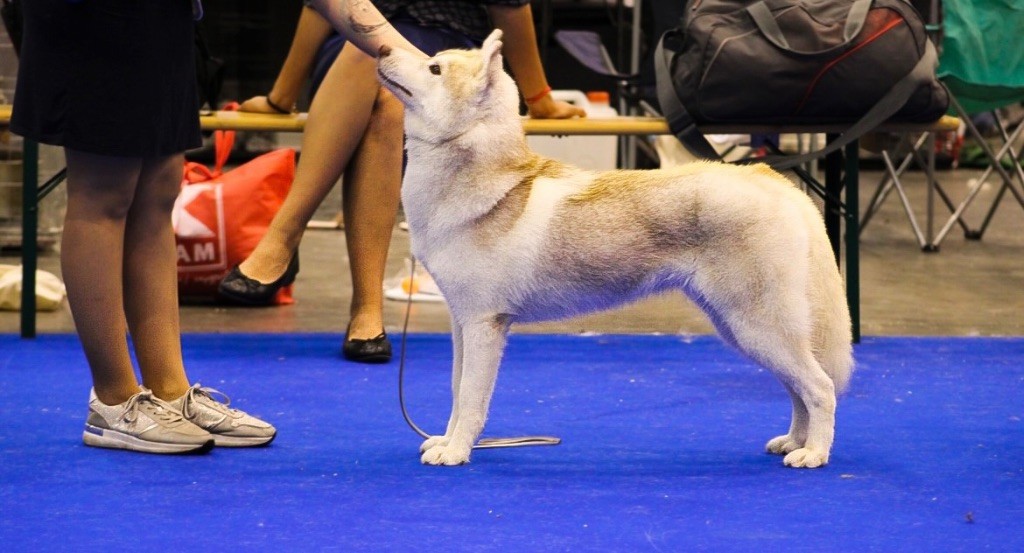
(834, 353)
(832, 339)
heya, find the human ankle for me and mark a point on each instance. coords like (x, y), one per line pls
(266, 265)
(115, 395)
(169, 392)
(365, 327)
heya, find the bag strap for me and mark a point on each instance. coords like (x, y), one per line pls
(197, 172)
(223, 142)
(685, 129)
(769, 27)
(764, 20)
(679, 120)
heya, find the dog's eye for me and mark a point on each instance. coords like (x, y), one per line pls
(435, 69)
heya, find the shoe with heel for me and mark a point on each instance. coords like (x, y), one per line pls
(238, 289)
(372, 350)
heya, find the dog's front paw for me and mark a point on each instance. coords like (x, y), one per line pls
(432, 442)
(447, 455)
(806, 458)
(781, 445)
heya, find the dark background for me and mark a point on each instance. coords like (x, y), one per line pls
(252, 37)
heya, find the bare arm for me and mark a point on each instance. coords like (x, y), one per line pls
(516, 24)
(362, 25)
(310, 33)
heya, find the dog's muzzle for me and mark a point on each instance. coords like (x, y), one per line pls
(391, 82)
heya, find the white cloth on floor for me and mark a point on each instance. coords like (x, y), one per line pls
(50, 290)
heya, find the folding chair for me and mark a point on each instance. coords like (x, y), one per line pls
(984, 71)
(921, 151)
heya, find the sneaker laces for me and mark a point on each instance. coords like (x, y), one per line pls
(160, 412)
(198, 391)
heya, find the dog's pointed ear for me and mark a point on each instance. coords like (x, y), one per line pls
(491, 50)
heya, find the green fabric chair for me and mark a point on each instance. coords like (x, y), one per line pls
(982, 64)
(981, 60)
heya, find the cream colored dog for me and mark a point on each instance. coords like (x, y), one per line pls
(512, 237)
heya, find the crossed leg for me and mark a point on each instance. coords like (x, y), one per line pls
(339, 137)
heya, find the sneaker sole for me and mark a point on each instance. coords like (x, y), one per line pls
(238, 441)
(111, 439)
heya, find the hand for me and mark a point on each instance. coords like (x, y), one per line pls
(257, 104)
(549, 108)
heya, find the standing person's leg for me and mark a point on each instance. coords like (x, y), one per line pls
(372, 189)
(151, 308)
(151, 278)
(337, 119)
(101, 193)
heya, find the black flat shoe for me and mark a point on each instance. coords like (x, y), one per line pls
(238, 289)
(374, 350)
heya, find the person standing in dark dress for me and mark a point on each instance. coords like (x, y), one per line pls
(113, 82)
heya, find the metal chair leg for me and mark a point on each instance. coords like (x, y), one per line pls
(995, 165)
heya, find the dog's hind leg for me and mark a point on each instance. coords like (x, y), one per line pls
(457, 356)
(483, 343)
(790, 358)
(812, 428)
(797, 435)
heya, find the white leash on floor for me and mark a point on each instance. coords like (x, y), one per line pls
(484, 443)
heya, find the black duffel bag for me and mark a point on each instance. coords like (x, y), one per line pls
(856, 62)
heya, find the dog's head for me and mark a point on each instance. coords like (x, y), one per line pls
(446, 95)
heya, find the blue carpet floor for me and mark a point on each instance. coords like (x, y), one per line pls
(662, 451)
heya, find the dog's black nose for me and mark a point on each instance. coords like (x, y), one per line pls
(384, 51)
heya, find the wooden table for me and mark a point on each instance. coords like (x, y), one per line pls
(839, 190)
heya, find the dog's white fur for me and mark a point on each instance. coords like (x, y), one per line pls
(512, 237)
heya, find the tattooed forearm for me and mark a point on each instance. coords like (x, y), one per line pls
(361, 23)
(365, 21)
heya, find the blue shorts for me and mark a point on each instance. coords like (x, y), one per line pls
(430, 40)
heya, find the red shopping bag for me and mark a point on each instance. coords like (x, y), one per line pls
(220, 217)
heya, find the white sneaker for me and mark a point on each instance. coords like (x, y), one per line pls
(229, 427)
(421, 284)
(143, 423)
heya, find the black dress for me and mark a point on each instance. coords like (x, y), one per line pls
(110, 77)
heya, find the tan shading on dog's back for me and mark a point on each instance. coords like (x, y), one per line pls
(511, 237)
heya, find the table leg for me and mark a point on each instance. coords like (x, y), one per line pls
(29, 236)
(839, 175)
(852, 179)
(833, 195)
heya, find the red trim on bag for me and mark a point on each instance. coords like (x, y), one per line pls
(223, 142)
(888, 27)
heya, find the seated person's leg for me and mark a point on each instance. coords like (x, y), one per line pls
(372, 186)
(371, 196)
(338, 117)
